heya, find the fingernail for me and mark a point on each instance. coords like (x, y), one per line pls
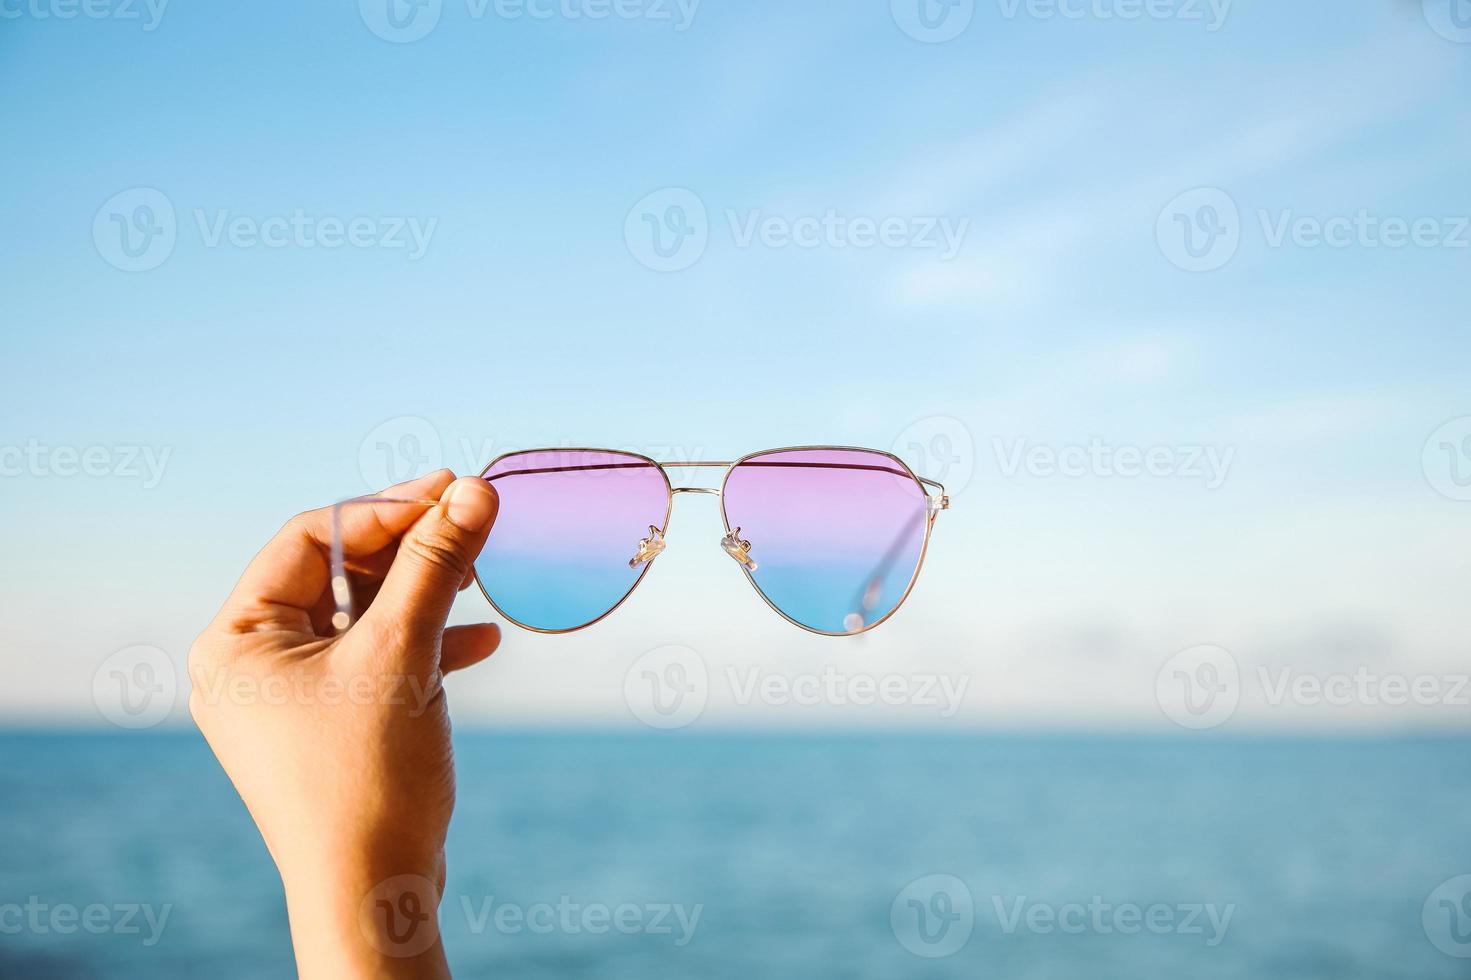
(472, 504)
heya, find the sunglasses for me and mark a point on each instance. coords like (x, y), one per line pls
(831, 537)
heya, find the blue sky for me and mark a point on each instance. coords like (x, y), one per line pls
(526, 151)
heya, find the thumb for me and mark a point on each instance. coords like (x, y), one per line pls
(434, 557)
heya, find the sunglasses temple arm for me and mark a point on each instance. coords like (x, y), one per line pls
(341, 589)
(935, 503)
(864, 601)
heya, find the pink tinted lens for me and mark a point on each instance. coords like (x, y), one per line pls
(836, 534)
(570, 522)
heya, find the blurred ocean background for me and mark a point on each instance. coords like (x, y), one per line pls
(793, 848)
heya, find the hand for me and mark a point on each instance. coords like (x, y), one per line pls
(340, 745)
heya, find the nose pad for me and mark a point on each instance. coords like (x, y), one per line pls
(738, 549)
(648, 548)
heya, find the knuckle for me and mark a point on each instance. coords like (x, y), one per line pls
(196, 709)
(440, 552)
(305, 526)
(296, 523)
(200, 656)
(201, 666)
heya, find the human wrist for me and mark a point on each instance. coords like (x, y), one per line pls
(375, 917)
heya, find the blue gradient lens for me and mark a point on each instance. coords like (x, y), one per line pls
(570, 523)
(837, 535)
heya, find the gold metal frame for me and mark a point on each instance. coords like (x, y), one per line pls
(934, 504)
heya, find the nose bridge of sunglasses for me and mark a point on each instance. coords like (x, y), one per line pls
(683, 469)
(652, 546)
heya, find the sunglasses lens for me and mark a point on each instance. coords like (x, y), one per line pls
(572, 537)
(836, 534)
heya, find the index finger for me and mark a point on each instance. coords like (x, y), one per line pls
(287, 578)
